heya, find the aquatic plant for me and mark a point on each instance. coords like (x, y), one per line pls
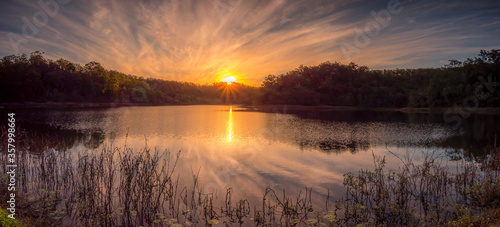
(123, 187)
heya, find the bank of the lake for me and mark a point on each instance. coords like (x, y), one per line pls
(266, 108)
(440, 110)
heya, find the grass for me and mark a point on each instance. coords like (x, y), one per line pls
(125, 187)
(6, 221)
(419, 195)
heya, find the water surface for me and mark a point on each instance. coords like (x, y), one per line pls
(231, 147)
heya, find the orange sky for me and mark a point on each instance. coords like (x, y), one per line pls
(205, 41)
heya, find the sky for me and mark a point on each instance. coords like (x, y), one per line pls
(204, 41)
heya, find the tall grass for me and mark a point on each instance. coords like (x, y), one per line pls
(124, 187)
(424, 194)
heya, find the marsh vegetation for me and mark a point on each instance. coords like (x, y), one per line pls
(119, 186)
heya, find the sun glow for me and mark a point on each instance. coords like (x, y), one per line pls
(229, 79)
(228, 92)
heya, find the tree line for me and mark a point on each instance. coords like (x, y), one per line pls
(353, 85)
(35, 78)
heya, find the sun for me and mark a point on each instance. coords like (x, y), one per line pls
(229, 79)
(227, 91)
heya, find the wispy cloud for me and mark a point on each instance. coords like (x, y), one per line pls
(199, 41)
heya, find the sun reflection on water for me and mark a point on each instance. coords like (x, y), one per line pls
(230, 125)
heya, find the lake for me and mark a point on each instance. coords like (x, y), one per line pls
(247, 150)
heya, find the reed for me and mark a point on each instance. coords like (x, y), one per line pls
(124, 187)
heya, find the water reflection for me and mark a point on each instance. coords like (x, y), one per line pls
(326, 131)
(250, 150)
(230, 125)
(40, 137)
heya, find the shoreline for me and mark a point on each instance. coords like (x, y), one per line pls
(265, 108)
(82, 105)
(428, 110)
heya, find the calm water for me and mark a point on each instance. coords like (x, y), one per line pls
(250, 150)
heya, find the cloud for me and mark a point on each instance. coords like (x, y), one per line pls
(198, 41)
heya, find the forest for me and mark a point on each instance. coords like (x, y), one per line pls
(36, 79)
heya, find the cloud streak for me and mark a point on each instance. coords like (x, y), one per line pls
(200, 41)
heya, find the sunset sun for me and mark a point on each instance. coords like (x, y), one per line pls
(229, 79)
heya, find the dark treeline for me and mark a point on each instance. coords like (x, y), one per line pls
(37, 79)
(353, 85)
